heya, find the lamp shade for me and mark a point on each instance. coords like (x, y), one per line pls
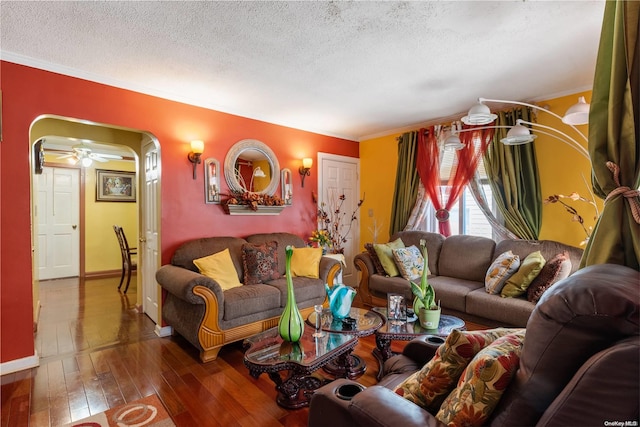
(479, 114)
(577, 114)
(307, 163)
(453, 143)
(518, 135)
(197, 146)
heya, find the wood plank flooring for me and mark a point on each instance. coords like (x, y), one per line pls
(97, 352)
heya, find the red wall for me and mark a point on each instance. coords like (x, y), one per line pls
(28, 93)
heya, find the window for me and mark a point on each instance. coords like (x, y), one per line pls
(465, 216)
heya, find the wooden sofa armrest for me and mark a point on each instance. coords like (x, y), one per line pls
(181, 283)
(364, 264)
(329, 269)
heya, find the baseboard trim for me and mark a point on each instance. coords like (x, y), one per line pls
(102, 274)
(20, 364)
(163, 331)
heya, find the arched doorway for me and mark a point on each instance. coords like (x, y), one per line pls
(136, 146)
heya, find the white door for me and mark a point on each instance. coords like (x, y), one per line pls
(57, 214)
(338, 175)
(149, 240)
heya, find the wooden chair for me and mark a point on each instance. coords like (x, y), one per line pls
(128, 265)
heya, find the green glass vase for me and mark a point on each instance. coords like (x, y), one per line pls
(291, 324)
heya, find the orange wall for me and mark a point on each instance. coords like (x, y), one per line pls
(28, 93)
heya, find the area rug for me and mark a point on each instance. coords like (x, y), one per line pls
(148, 412)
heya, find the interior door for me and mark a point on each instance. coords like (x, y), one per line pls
(149, 240)
(339, 176)
(57, 214)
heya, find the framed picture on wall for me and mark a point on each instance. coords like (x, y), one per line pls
(115, 186)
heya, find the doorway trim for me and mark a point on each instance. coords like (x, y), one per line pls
(136, 150)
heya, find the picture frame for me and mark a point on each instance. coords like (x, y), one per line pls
(396, 309)
(211, 181)
(115, 186)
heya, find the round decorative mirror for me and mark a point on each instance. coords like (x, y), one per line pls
(251, 166)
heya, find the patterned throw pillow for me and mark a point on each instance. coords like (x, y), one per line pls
(556, 269)
(374, 258)
(409, 262)
(430, 386)
(517, 284)
(483, 382)
(386, 256)
(500, 270)
(260, 262)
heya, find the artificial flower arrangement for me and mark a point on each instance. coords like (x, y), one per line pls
(321, 237)
(335, 222)
(575, 217)
(253, 200)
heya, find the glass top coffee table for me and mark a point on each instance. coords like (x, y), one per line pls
(268, 353)
(407, 331)
(361, 323)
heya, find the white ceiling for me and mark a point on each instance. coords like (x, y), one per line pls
(347, 69)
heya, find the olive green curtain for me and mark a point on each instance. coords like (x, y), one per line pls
(613, 139)
(514, 179)
(407, 182)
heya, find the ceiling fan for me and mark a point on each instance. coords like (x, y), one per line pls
(83, 155)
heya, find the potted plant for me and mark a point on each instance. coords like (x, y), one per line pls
(424, 303)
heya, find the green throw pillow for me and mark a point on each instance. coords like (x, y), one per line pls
(385, 254)
(529, 269)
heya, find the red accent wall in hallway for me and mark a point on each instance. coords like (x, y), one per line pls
(28, 93)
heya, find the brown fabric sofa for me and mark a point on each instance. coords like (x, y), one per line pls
(458, 265)
(579, 366)
(197, 308)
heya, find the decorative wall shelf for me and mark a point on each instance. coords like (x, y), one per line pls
(245, 210)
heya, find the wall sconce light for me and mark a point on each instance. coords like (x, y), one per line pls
(197, 147)
(304, 169)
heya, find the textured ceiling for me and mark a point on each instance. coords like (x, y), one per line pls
(348, 69)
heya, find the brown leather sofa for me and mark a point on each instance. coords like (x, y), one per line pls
(197, 308)
(579, 366)
(458, 265)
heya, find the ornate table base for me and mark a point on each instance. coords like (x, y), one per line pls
(347, 366)
(295, 392)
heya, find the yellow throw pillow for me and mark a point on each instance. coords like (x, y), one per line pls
(220, 268)
(385, 255)
(305, 262)
(529, 269)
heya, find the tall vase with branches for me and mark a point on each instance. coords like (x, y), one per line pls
(337, 223)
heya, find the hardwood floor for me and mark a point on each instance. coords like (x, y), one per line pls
(98, 352)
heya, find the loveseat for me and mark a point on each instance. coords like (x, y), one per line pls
(458, 266)
(197, 307)
(579, 364)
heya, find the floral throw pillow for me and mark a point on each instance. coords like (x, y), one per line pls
(556, 269)
(499, 272)
(409, 262)
(483, 382)
(260, 262)
(432, 384)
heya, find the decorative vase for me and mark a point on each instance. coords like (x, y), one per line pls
(429, 318)
(291, 324)
(340, 299)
